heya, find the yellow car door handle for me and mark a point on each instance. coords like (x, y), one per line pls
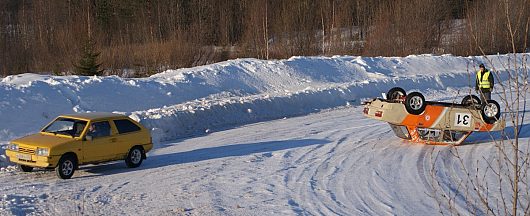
(113, 140)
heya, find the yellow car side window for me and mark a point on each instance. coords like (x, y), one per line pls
(99, 129)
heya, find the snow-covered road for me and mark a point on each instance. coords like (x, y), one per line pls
(333, 162)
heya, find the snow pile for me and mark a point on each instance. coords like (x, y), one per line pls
(189, 101)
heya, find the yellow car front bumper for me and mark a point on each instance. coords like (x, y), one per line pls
(32, 160)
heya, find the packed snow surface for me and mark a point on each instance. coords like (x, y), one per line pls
(205, 162)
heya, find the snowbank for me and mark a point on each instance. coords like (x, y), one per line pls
(188, 101)
(203, 116)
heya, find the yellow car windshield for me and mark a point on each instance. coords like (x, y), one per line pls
(66, 126)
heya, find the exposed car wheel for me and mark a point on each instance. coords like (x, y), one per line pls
(491, 111)
(395, 94)
(415, 103)
(66, 167)
(25, 168)
(135, 157)
(470, 100)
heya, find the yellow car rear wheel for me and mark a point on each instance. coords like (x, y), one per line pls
(135, 157)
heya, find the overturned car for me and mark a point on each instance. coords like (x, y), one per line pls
(413, 118)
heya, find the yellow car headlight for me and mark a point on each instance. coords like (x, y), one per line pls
(12, 147)
(43, 151)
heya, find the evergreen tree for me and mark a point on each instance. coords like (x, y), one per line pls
(88, 64)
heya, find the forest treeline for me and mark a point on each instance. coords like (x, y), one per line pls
(148, 36)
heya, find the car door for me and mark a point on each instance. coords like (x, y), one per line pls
(99, 140)
(128, 135)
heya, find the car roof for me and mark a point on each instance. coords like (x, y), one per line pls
(94, 115)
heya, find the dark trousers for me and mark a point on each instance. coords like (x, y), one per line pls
(485, 95)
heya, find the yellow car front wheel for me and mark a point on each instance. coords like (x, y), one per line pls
(66, 167)
(25, 168)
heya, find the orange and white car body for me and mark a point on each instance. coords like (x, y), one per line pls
(440, 123)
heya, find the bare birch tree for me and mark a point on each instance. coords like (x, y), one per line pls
(497, 184)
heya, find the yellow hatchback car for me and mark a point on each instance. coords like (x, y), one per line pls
(83, 138)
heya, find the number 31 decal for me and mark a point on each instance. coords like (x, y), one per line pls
(463, 119)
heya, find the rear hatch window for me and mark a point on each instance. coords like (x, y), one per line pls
(126, 126)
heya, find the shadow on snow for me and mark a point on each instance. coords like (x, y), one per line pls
(507, 133)
(204, 154)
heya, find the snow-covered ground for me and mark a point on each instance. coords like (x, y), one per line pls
(332, 161)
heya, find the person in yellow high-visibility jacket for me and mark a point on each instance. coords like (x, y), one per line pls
(484, 83)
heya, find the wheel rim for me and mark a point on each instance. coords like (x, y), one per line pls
(416, 102)
(490, 110)
(67, 168)
(136, 156)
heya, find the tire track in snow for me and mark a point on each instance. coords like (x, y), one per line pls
(424, 166)
(338, 179)
(319, 190)
(458, 167)
(316, 181)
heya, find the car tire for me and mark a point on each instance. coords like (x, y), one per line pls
(134, 157)
(415, 103)
(470, 100)
(491, 111)
(395, 93)
(66, 167)
(25, 168)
